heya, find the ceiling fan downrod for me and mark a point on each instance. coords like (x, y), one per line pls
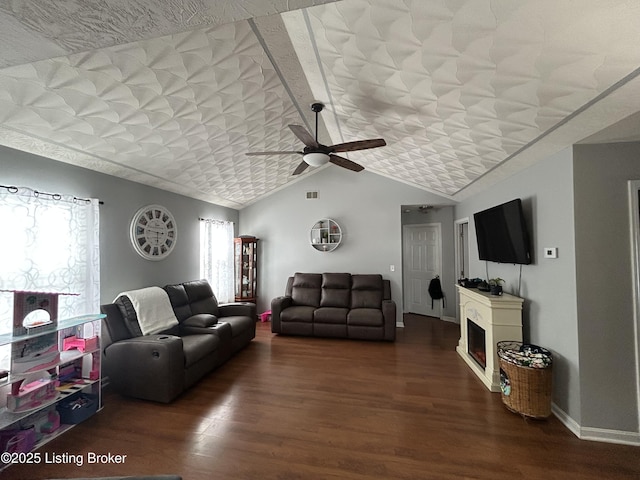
(317, 107)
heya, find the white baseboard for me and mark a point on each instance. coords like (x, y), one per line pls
(611, 436)
(596, 434)
(566, 420)
(400, 324)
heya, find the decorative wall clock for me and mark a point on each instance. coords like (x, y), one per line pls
(153, 232)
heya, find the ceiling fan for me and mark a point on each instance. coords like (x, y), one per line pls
(316, 154)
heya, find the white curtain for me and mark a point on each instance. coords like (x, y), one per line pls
(216, 257)
(49, 243)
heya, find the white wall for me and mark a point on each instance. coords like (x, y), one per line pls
(548, 286)
(367, 207)
(120, 267)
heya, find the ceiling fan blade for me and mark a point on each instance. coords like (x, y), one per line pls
(358, 145)
(272, 153)
(304, 136)
(344, 163)
(300, 168)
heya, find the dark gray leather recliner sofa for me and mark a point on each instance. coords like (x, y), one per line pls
(159, 367)
(335, 305)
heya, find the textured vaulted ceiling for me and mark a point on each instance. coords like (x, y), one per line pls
(173, 93)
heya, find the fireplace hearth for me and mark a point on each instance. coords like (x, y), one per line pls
(486, 320)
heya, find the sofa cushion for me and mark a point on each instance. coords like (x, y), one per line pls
(179, 301)
(149, 308)
(200, 320)
(114, 326)
(306, 288)
(336, 290)
(370, 317)
(128, 315)
(298, 313)
(330, 315)
(201, 297)
(366, 291)
(196, 347)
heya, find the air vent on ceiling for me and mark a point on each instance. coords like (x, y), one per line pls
(312, 195)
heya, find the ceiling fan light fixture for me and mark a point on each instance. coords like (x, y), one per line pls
(316, 159)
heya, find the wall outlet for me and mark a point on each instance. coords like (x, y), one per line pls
(392, 268)
(550, 252)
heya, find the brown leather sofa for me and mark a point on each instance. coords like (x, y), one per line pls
(159, 367)
(335, 305)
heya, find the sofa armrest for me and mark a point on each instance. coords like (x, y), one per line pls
(278, 304)
(242, 309)
(389, 314)
(149, 367)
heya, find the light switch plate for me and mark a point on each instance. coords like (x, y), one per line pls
(550, 252)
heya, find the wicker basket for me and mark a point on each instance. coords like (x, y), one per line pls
(525, 378)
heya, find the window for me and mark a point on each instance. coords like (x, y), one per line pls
(49, 243)
(216, 257)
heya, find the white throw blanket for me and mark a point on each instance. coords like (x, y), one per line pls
(153, 309)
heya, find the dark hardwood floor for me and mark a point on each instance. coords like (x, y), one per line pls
(304, 408)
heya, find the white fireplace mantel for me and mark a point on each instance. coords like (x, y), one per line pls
(501, 319)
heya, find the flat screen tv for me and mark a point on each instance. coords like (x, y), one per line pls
(502, 234)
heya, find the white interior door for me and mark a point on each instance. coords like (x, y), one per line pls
(422, 260)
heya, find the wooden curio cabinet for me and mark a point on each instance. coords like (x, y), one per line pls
(246, 270)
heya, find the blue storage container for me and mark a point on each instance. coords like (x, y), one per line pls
(77, 408)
